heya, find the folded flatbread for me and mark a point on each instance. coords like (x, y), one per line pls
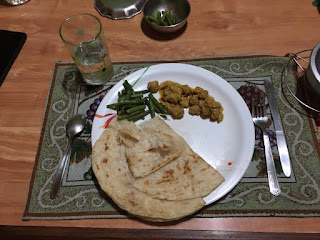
(150, 145)
(172, 188)
(108, 163)
(185, 176)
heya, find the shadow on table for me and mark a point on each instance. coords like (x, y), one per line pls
(149, 32)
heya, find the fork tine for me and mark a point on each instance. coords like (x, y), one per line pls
(253, 110)
(264, 112)
(259, 107)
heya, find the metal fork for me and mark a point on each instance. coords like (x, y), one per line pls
(260, 119)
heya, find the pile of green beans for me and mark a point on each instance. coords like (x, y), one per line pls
(163, 18)
(133, 105)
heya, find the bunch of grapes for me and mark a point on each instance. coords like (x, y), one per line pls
(271, 134)
(93, 107)
(248, 92)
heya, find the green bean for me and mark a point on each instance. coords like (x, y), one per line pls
(125, 116)
(158, 17)
(152, 19)
(151, 108)
(127, 106)
(138, 116)
(136, 95)
(127, 86)
(113, 107)
(131, 104)
(142, 91)
(128, 89)
(121, 117)
(169, 16)
(128, 95)
(135, 108)
(157, 104)
(156, 109)
(168, 19)
(163, 17)
(121, 98)
(131, 101)
(121, 110)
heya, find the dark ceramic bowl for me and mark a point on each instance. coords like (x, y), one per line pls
(180, 10)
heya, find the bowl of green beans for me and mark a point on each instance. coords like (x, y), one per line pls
(166, 16)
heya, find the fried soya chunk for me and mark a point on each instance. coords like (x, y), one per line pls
(203, 94)
(220, 118)
(184, 101)
(201, 103)
(175, 88)
(170, 97)
(193, 100)
(194, 110)
(177, 112)
(171, 92)
(215, 113)
(186, 90)
(205, 111)
(165, 84)
(168, 106)
(175, 97)
(210, 102)
(153, 87)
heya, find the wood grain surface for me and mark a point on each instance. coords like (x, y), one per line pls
(215, 27)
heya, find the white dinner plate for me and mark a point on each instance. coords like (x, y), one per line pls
(227, 146)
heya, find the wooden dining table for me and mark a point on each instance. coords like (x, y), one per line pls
(214, 28)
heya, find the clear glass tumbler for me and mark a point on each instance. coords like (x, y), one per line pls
(83, 36)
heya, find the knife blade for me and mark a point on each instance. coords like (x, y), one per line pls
(281, 140)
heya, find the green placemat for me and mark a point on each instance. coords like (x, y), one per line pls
(80, 196)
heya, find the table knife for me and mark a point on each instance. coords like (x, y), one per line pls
(281, 140)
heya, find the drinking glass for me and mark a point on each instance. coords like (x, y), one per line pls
(83, 36)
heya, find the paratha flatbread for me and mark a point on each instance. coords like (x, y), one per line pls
(150, 145)
(186, 177)
(109, 166)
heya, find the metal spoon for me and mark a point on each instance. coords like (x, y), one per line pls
(74, 126)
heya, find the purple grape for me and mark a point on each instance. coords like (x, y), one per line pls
(97, 101)
(93, 107)
(90, 114)
(271, 135)
(101, 98)
(258, 134)
(251, 90)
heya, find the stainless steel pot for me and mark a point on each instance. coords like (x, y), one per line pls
(313, 71)
(307, 89)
